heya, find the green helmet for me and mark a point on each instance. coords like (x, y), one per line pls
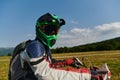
(47, 28)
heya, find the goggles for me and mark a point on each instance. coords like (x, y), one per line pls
(49, 29)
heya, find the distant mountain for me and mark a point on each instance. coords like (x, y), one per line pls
(5, 51)
(111, 44)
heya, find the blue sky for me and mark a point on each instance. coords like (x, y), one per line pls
(87, 21)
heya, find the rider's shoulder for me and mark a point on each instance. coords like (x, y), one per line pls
(35, 49)
(34, 43)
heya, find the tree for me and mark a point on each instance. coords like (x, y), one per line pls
(9, 54)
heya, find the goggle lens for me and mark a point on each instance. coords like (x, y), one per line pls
(50, 29)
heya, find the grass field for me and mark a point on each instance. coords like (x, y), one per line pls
(112, 58)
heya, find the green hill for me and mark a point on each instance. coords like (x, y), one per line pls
(111, 44)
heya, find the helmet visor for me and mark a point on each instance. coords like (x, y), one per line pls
(49, 29)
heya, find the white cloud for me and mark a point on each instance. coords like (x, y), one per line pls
(109, 28)
(79, 30)
(107, 31)
(74, 22)
(78, 36)
(30, 36)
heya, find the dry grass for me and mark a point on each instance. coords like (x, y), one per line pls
(4, 65)
(112, 58)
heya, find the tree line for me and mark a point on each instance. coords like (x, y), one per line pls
(112, 44)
